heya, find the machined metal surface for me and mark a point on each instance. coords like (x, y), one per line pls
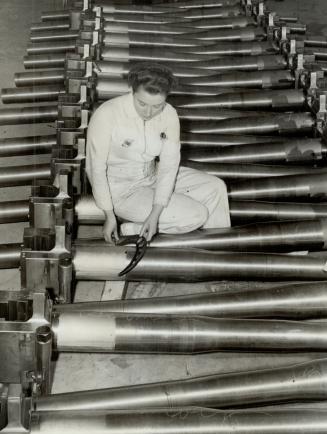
(301, 382)
(251, 211)
(26, 115)
(192, 265)
(184, 421)
(289, 99)
(37, 78)
(23, 175)
(287, 151)
(32, 145)
(297, 302)
(305, 188)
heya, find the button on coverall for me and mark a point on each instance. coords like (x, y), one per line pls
(121, 167)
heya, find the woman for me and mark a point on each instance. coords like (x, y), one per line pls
(133, 155)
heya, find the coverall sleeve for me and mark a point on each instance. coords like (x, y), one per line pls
(169, 160)
(98, 144)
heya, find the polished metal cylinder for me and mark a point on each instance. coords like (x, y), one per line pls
(150, 53)
(13, 147)
(92, 262)
(192, 28)
(287, 151)
(37, 78)
(23, 175)
(26, 115)
(212, 115)
(289, 99)
(113, 69)
(297, 302)
(144, 333)
(231, 171)
(184, 421)
(179, 16)
(210, 142)
(52, 47)
(300, 382)
(251, 211)
(31, 94)
(137, 40)
(251, 79)
(55, 15)
(230, 48)
(53, 35)
(265, 237)
(44, 61)
(289, 123)
(14, 211)
(305, 188)
(10, 255)
(50, 25)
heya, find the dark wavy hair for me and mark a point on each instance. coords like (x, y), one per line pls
(155, 78)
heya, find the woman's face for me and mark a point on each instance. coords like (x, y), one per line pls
(147, 105)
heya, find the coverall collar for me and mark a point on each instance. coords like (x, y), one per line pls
(129, 107)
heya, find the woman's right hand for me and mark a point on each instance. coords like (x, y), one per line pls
(109, 230)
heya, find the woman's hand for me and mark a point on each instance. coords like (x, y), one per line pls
(150, 226)
(110, 231)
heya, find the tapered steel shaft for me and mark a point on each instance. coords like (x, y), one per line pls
(293, 150)
(122, 54)
(192, 265)
(266, 237)
(250, 211)
(232, 48)
(185, 28)
(251, 79)
(298, 302)
(144, 333)
(204, 38)
(230, 171)
(23, 175)
(300, 382)
(13, 147)
(185, 421)
(200, 142)
(27, 115)
(270, 99)
(306, 188)
(290, 123)
(174, 16)
(244, 63)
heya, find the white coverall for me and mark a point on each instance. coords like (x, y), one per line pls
(121, 167)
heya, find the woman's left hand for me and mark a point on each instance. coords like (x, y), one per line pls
(150, 226)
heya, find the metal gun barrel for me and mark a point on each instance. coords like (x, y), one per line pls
(250, 211)
(13, 147)
(300, 382)
(255, 100)
(184, 421)
(297, 302)
(145, 333)
(306, 188)
(192, 265)
(26, 115)
(23, 175)
(287, 151)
